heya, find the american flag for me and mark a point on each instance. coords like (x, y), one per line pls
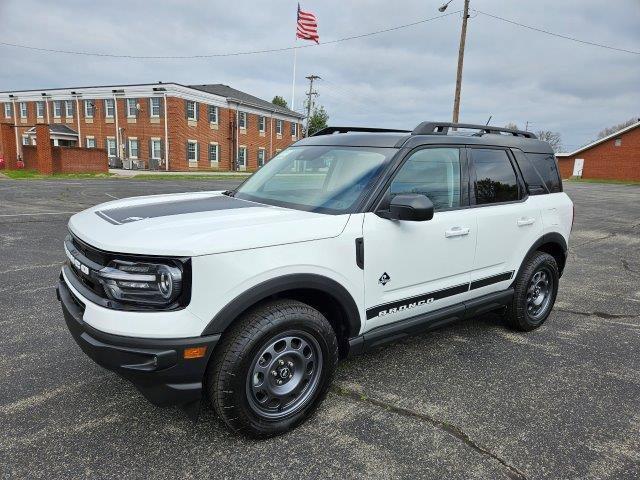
(307, 26)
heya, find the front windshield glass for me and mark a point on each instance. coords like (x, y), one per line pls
(327, 179)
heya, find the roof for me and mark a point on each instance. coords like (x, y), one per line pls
(602, 140)
(243, 97)
(57, 129)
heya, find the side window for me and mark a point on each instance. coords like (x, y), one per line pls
(546, 166)
(434, 172)
(495, 178)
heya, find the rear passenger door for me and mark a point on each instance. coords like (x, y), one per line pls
(509, 222)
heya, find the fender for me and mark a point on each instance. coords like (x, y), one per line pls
(552, 237)
(263, 290)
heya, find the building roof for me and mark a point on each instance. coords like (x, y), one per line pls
(56, 129)
(238, 95)
(602, 140)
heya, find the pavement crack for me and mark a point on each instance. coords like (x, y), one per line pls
(449, 428)
(604, 315)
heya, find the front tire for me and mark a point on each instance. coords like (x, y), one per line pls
(273, 368)
(535, 291)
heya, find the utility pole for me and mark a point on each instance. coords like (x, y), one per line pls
(310, 95)
(463, 38)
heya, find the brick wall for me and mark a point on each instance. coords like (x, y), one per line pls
(608, 161)
(30, 157)
(80, 160)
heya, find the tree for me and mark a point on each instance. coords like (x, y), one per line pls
(552, 138)
(608, 131)
(512, 126)
(281, 102)
(317, 120)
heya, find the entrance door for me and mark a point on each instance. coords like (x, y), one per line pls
(415, 267)
(578, 165)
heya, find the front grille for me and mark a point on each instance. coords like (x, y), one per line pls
(96, 256)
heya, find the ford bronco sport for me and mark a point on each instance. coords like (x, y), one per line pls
(344, 241)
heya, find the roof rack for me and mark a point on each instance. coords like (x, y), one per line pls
(442, 128)
(332, 130)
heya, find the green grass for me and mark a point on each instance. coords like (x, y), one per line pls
(34, 175)
(186, 176)
(603, 180)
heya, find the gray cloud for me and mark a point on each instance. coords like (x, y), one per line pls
(395, 79)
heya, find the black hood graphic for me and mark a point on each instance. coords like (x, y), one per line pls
(135, 213)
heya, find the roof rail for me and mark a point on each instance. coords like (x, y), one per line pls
(332, 130)
(442, 128)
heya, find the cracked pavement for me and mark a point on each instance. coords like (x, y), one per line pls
(472, 400)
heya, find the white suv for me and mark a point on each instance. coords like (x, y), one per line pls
(346, 240)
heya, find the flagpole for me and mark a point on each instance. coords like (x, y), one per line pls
(293, 82)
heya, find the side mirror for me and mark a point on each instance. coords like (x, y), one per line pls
(412, 207)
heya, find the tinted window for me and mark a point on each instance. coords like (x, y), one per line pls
(434, 172)
(495, 177)
(546, 166)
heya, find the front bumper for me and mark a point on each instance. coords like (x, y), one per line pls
(156, 367)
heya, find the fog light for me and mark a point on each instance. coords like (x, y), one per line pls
(194, 352)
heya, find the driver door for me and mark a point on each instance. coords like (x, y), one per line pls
(414, 267)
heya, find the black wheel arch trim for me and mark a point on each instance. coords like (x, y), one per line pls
(303, 281)
(551, 237)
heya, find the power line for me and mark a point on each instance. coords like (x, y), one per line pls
(558, 35)
(230, 54)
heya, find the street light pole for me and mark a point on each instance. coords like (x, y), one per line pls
(463, 38)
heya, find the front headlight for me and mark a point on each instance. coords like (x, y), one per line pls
(142, 283)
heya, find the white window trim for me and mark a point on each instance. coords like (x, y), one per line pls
(115, 147)
(26, 110)
(215, 144)
(68, 108)
(195, 107)
(153, 140)
(194, 142)
(86, 141)
(7, 110)
(242, 148)
(262, 128)
(279, 127)
(135, 108)
(151, 114)
(215, 107)
(264, 155)
(106, 108)
(137, 147)
(86, 108)
(241, 116)
(44, 108)
(25, 137)
(59, 104)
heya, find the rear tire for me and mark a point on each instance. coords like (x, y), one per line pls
(273, 368)
(535, 291)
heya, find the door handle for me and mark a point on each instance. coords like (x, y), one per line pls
(525, 221)
(456, 232)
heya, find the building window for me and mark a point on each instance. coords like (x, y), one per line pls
(156, 149)
(8, 110)
(192, 151)
(23, 111)
(261, 156)
(109, 108)
(154, 107)
(112, 150)
(242, 119)
(133, 147)
(242, 156)
(90, 142)
(88, 108)
(132, 107)
(68, 108)
(617, 142)
(57, 109)
(213, 114)
(25, 139)
(261, 123)
(40, 109)
(213, 153)
(279, 127)
(294, 129)
(192, 110)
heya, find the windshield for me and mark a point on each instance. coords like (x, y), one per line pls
(327, 179)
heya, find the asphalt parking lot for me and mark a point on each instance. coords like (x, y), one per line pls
(472, 400)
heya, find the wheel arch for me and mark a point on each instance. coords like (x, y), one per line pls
(322, 293)
(552, 243)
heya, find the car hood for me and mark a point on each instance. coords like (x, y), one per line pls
(202, 223)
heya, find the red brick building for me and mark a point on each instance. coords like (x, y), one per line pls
(158, 126)
(616, 156)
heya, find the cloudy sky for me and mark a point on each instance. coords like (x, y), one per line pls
(394, 79)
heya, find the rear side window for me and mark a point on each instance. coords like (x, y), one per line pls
(495, 178)
(546, 166)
